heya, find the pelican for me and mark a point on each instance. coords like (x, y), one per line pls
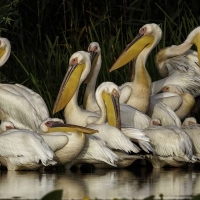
(172, 146)
(89, 101)
(129, 115)
(19, 104)
(192, 128)
(178, 65)
(54, 137)
(188, 100)
(24, 150)
(22, 106)
(139, 49)
(66, 140)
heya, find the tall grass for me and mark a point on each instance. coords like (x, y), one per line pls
(44, 33)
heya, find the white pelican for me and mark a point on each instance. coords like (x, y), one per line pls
(22, 106)
(5, 49)
(66, 140)
(139, 49)
(24, 150)
(179, 65)
(188, 100)
(19, 104)
(192, 128)
(89, 101)
(172, 146)
(129, 115)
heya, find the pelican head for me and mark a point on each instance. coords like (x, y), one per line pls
(189, 121)
(79, 68)
(6, 125)
(5, 49)
(94, 50)
(172, 88)
(149, 35)
(57, 125)
(109, 93)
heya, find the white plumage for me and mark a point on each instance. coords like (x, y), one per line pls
(24, 150)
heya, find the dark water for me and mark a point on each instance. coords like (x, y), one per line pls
(137, 182)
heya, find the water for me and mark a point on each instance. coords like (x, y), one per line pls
(137, 182)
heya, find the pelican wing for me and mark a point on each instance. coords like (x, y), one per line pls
(185, 141)
(133, 117)
(114, 138)
(193, 132)
(18, 108)
(182, 63)
(95, 150)
(187, 82)
(125, 93)
(139, 137)
(98, 150)
(167, 142)
(21, 146)
(163, 112)
(35, 99)
(170, 99)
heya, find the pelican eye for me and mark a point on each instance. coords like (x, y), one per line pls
(48, 123)
(142, 30)
(74, 61)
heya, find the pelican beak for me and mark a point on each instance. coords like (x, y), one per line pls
(132, 50)
(69, 86)
(2, 51)
(196, 41)
(112, 108)
(60, 127)
(94, 57)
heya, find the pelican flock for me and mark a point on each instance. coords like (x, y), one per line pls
(116, 125)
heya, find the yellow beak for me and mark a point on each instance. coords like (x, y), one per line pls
(132, 50)
(2, 52)
(68, 87)
(112, 108)
(196, 41)
(60, 127)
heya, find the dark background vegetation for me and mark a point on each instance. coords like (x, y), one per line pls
(44, 33)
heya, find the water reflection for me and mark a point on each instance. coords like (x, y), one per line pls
(104, 184)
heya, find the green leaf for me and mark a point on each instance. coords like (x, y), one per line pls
(54, 195)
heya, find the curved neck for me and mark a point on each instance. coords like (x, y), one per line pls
(177, 50)
(102, 110)
(90, 88)
(141, 74)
